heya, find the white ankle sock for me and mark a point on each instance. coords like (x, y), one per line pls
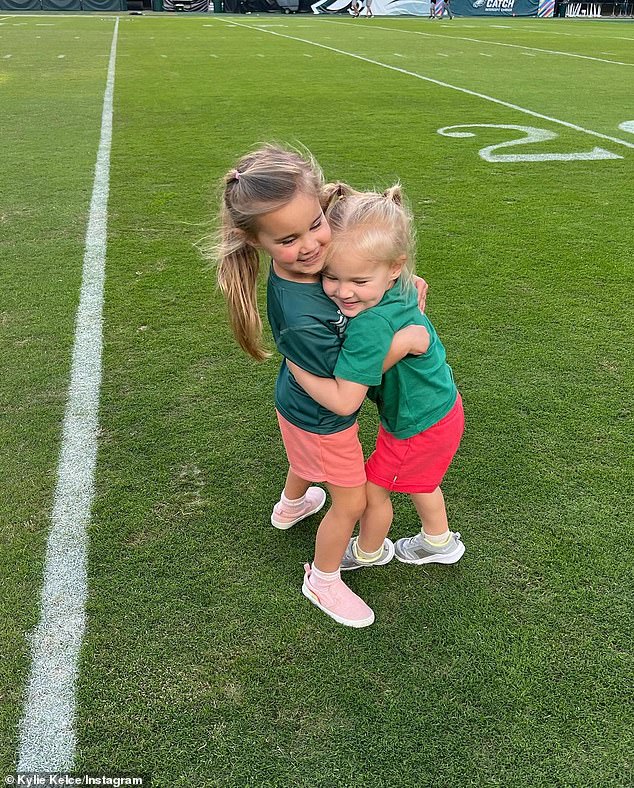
(438, 540)
(295, 504)
(323, 579)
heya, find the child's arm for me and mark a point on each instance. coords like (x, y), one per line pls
(411, 340)
(342, 397)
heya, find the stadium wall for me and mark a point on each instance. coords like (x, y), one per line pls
(63, 5)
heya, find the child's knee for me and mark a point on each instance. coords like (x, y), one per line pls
(355, 508)
(351, 505)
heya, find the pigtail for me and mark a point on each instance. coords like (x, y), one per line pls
(237, 276)
(332, 193)
(395, 194)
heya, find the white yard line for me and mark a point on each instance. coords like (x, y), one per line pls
(496, 43)
(441, 84)
(47, 729)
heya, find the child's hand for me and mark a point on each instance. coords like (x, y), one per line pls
(416, 338)
(421, 288)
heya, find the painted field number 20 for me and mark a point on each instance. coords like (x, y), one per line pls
(532, 135)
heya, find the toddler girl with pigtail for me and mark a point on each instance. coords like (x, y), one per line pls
(368, 276)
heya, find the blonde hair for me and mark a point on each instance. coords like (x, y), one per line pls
(262, 181)
(377, 226)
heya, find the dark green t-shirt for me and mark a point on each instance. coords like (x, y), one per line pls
(416, 392)
(308, 329)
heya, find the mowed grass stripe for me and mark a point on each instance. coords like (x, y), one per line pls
(49, 126)
(440, 83)
(203, 664)
(543, 85)
(47, 741)
(501, 44)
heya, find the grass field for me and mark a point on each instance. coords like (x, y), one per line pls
(202, 663)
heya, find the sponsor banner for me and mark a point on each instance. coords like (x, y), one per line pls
(421, 7)
(495, 7)
(379, 7)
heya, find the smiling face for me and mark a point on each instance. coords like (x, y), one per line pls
(355, 283)
(296, 236)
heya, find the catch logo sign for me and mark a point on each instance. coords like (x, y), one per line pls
(494, 5)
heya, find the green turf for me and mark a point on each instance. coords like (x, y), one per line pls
(203, 664)
(49, 130)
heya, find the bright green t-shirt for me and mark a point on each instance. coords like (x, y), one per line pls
(308, 329)
(415, 393)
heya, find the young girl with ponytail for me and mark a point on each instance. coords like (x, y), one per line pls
(271, 204)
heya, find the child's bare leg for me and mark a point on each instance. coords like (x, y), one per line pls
(435, 544)
(295, 486)
(432, 512)
(376, 520)
(333, 535)
(298, 501)
(323, 585)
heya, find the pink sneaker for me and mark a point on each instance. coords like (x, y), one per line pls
(339, 602)
(284, 516)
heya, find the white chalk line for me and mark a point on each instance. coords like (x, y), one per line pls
(47, 729)
(441, 84)
(497, 44)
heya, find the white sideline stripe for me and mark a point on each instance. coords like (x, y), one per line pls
(495, 43)
(438, 82)
(47, 729)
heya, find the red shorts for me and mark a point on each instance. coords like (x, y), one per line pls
(336, 458)
(417, 464)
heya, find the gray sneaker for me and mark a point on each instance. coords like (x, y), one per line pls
(417, 550)
(350, 561)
